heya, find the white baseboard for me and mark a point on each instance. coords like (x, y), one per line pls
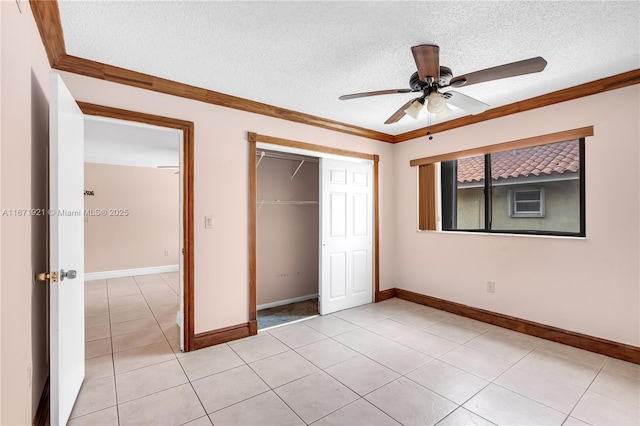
(89, 276)
(287, 301)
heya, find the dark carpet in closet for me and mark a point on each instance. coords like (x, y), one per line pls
(287, 313)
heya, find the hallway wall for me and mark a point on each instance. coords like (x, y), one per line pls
(138, 237)
(24, 92)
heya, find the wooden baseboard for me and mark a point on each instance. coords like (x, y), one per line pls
(578, 340)
(223, 335)
(42, 413)
(385, 294)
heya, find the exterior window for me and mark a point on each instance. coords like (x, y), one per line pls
(532, 190)
(526, 203)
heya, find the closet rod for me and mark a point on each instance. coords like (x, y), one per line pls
(286, 156)
(285, 202)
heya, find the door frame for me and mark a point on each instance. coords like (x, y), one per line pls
(254, 139)
(187, 128)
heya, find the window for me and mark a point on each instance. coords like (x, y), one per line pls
(535, 189)
(526, 202)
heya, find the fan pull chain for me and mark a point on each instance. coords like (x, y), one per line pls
(428, 127)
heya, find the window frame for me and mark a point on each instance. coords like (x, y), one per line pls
(565, 135)
(448, 177)
(512, 204)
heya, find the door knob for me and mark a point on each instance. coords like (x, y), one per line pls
(68, 274)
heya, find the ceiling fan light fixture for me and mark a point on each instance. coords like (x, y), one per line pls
(444, 113)
(415, 108)
(438, 105)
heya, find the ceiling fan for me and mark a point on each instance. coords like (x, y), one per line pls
(431, 77)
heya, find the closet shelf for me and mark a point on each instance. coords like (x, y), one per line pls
(285, 202)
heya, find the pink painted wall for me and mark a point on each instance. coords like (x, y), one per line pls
(586, 285)
(221, 189)
(589, 285)
(151, 224)
(287, 235)
(24, 91)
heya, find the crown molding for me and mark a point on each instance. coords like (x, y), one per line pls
(598, 86)
(47, 17)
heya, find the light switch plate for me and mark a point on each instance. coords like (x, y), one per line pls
(208, 222)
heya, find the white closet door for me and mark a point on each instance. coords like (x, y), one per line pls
(346, 235)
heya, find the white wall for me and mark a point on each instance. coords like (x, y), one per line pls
(587, 285)
(287, 234)
(221, 189)
(24, 91)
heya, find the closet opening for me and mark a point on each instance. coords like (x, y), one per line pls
(287, 241)
(338, 237)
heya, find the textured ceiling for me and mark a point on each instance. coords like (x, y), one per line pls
(126, 143)
(303, 55)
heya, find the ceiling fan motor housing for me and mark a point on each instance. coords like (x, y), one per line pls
(418, 85)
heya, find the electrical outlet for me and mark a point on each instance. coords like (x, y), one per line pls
(491, 287)
(166, 252)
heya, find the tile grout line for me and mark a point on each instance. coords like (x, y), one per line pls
(363, 354)
(113, 360)
(320, 370)
(458, 406)
(269, 386)
(586, 389)
(169, 285)
(390, 317)
(405, 376)
(490, 382)
(270, 389)
(163, 335)
(153, 313)
(194, 390)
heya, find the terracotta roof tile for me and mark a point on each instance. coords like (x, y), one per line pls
(556, 158)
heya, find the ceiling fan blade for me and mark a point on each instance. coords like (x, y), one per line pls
(399, 113)
(528, 66)
(427, 57)
(376, 93)
(465, 102)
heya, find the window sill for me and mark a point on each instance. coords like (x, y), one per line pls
(505, 234)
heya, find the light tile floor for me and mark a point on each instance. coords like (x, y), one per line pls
(389, 363)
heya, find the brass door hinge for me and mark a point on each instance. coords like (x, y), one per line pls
(53, 276)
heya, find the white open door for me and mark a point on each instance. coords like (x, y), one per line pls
(346, 234)
(66, 250)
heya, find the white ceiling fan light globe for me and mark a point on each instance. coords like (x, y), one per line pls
(415, 109)
(438, 105)
(444, 113)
